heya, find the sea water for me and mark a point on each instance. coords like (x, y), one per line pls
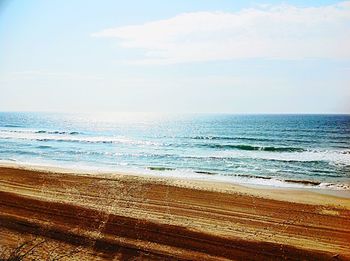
(279, 150)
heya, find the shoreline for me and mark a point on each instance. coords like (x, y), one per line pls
(111, 215)
(201, 180)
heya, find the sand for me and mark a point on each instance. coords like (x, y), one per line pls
(118, 216)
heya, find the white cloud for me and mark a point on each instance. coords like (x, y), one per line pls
(282, 32)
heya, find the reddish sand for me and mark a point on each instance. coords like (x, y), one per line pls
(125, 216)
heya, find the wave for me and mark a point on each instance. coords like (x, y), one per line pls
(261, 180)
(59, 132)
(304, 182)
(254, 148)
(252, 179)
(229, 138)
(281, 182)
(304, 136)
(253, 176)
(160, 168)
(336, 143)
(57, 137)
(44, 147)
(12, 126)
(43, 132)
(255, 139)
(336, 157)
(301, 182)
(205, 172)
(249, 139)
(248, 179)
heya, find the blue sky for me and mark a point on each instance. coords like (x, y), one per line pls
(175, 56)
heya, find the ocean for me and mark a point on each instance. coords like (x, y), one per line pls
(275, 150)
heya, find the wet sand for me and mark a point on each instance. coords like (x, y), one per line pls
(118, 216)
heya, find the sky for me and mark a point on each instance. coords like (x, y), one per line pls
(196, 56)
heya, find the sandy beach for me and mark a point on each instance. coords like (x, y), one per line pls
(119, 216)
(174, 130)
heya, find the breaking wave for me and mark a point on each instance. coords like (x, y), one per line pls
(57, 136)
(250, 147)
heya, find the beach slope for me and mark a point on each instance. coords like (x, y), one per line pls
(118, 216)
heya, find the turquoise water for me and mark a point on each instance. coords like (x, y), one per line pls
(279, 150)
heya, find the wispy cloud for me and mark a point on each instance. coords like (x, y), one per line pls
(282, 32)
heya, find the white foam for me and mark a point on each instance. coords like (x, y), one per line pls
(338, 157)
(184, 174)
(30, 135)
